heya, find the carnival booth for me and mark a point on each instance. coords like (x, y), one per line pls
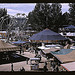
(34, 63)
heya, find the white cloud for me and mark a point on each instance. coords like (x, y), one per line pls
(14, 12)
(65, 7)
(16, 4)
(14, 8)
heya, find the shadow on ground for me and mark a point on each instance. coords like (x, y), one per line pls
(13, 58)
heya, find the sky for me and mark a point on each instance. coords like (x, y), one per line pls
(14, 8)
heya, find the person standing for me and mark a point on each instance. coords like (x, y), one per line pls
(53, 64)
(56, 69)
(39, 56)
(27, 61)
(7, 57)
(22, 69)
(45, 67)
(12, 67)
(20, 49)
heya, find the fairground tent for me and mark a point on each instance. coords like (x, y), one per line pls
(7, 47)
(70, 27)
(19, 42)
(47, 35)
(65, 55)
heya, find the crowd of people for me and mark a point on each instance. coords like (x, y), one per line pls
(54, 64)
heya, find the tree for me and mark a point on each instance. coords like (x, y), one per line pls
(45, 15)
(4, 19)
(39, 17)
(72, 13)
(65, 19)
(23, 14)
(18, 14)
(56, 15)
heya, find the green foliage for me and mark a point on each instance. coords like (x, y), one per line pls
(45, 15)
(56, 16)
(65, 18)
(4, 19)
(72, 13)
(37, 17)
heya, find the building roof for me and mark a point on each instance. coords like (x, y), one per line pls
(69, 66)
(49, 50)
(7, 47)
(63, 51)
(67, 56)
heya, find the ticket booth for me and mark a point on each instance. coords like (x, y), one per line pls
(34, 63)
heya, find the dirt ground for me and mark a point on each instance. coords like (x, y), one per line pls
(27, 67)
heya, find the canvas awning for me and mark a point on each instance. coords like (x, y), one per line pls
(67, 55)
(69, 66)
(7, 47)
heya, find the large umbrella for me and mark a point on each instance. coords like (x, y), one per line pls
(19, 42)
(47, 35)
(70, 27)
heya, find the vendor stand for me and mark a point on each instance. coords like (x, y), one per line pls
(34, 66)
